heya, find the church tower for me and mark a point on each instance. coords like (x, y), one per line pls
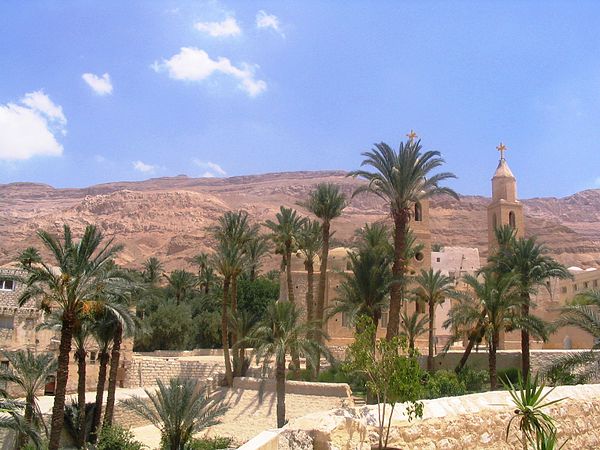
(504, 208)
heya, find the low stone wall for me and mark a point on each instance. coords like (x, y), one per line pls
(183, 353)
(476, 421)
(145, 371)
(339, 390)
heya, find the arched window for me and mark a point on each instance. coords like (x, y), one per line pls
(418, 212)
(495, 221)
(511, 220)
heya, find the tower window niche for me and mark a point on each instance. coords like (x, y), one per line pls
(418, 212)
(511, 220)
(495, 221)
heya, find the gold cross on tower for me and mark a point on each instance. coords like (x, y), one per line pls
(412, 135)
(501, 148)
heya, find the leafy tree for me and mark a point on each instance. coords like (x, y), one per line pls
(182, 283)
(178, 409)
(310, 241)
(284, 232)
(254, 297)
(171, 325)
(282, 333)
(432, 289)
(29, 372)
(29, 256)
(413, 326)
(392, 378)
(402, 179)
(85, 269)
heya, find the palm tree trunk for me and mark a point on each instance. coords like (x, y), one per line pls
(224, 333)
(320, 306)
(115, 356)
(22, 438)
(280, 389)
(472, 339)
(493, 346)
(237, 368)
(80, 355)
(525, 357)
(398, 272)
(288, 273)
(104, 356)
(430, 349)
(310, 313)
(62, 376)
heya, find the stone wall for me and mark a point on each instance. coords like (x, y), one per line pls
(476, 421)
(145, 371)
(341, 390)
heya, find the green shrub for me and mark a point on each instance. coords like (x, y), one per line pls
(474, 380)
(559, 376)
(117, 438)
(215, 443)
(509, 374)
(335, 374)
(444, 383)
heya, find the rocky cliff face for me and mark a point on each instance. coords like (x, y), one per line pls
(169, 217)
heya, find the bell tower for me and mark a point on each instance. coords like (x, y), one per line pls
(504, 209)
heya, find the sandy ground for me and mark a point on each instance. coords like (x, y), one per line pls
(248, 416)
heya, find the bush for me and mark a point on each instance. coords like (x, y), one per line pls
(474, 380)
(509, 374)
(335, 374)
(444, 383)
(117, 438)
(215, 443)
(559, 376)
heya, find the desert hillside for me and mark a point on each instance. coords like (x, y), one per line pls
(169, 217)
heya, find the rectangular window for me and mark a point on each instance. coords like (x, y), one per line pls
(420, 307)
(586, 285)
(92, 357)
(564, 289)
(385, 318)
(7, 285)
(345, 320)
(575, 288)
(7, 322)
(595, 283)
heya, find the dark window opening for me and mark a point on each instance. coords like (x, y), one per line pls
(512, 220)
(418, 212)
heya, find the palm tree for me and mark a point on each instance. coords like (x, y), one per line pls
(256, 249)
(279, 334)
(12, 419)
(364, 291)
(207, 279)
(178, 409)
(326, 202)
(84, 270)
(494, 302)
(242, 323)
(413, 326)
(284, 232)
(29, 256)
(182, 283)
(433, 288)
(153, 270)
(530, 262)
(401, 179)
(310, 241)
(29, 371)
(375, 236)
(229, 261)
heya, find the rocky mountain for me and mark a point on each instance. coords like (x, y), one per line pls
(169, 217)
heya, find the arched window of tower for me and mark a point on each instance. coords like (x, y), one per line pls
(495, 221)
(511, 220)
(418, 212)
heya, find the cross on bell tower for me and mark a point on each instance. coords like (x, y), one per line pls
(501, 148)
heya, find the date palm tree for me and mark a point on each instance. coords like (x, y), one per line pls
(256, 249)
(178, 409)
(310, 241)
(284, 232)
(402, 179)
(532, 266)
(432, 288)
(412, 326)
(327, 202)
(152, 271)
(182, 283)
(83, 270)
(29, 256)
(279, 334)
(29, 372)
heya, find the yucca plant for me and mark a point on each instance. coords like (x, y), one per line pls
(536, 426)
(178, 409)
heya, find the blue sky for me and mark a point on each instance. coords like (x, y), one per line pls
(232, 88)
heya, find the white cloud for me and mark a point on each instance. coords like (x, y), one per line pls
(100, 85)
(30, 130)
(265, 20)
(194, 64)
(143, 167)
(228, 27)
(212, 169)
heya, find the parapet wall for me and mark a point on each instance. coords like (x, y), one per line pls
(341, 390)
(145, 371)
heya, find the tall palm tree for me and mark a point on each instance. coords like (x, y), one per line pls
(532, 266)
(279, 334)
(182, 283)
(402, 179)
(432, 289)
(242, 323)
(229, 260)
(29, 371)
(326, 202)
(178, 409)
(83, 270)
(29, 256)
(284, 231)
(491, 299)
(256, 249)
(152, 271)
(310, 241)
(207, 279)
(413, 326)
